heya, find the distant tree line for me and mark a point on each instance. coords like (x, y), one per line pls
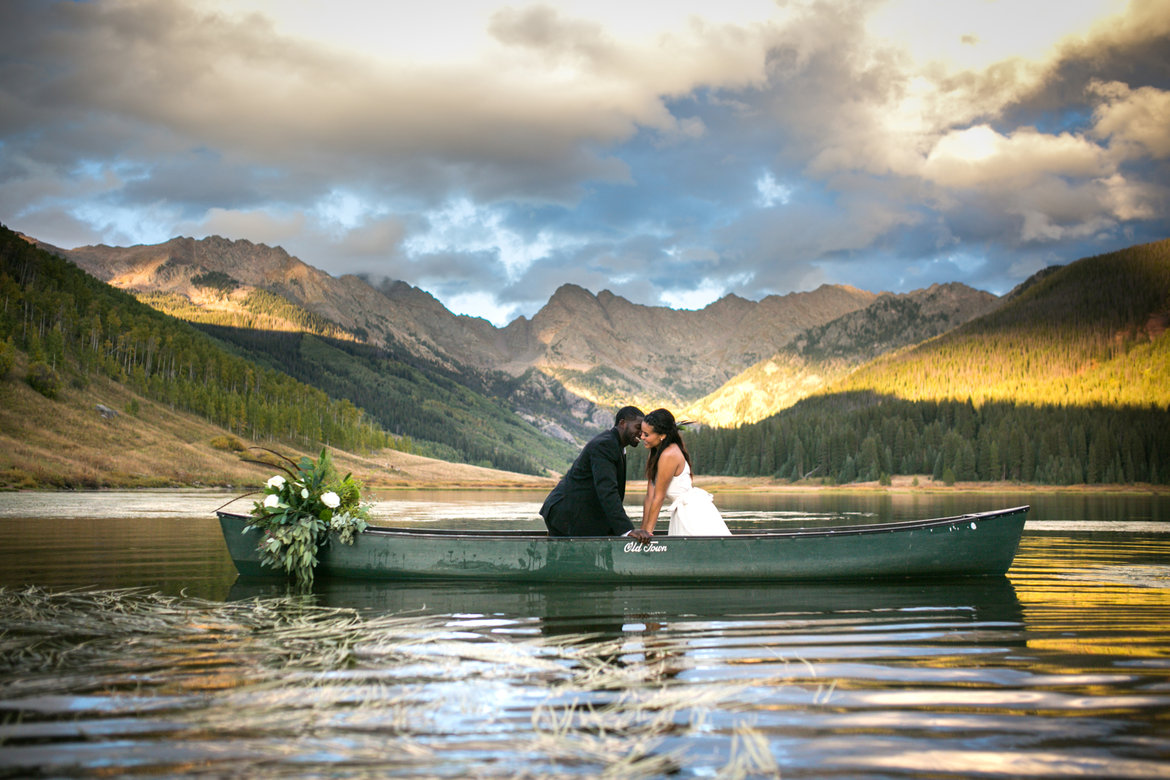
(73, 326)
(862, 436)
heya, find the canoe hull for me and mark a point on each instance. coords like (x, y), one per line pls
(967, 545)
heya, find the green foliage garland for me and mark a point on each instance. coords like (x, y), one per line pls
(302, 513)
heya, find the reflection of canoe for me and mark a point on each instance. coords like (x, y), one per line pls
(966, 545)
(986, 599)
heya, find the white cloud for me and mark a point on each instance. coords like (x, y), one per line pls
(1134, 200)
(1136, 121)
(769, 192)
(145, 223)
(981, 157)
(463, 226)
(703, 294)
(344, 210)
(481, 304)
(974, 36)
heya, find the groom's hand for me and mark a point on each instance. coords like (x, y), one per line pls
(641, 536)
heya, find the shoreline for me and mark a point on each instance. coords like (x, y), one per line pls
(902, 486)
(65, 446)
(713, 484)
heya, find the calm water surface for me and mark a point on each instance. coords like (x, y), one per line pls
(139, 652)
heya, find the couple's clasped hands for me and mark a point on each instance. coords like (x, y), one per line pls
(641, 535)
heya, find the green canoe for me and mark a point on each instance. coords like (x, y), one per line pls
(966, 545)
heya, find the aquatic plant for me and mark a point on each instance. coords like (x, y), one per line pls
(303, 512)
(283, 686)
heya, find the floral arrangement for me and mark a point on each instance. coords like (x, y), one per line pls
(300, 513)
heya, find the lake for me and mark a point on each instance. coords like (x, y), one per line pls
(139, 652)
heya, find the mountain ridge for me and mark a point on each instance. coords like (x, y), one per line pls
(1041, 386)
(577, 340)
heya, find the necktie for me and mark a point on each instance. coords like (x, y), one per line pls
(622, 477)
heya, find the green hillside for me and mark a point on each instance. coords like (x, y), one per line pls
(73, 327)
(259, 310)
(1067, 383)
(1093, 332)
(825, 353)
(441, 416)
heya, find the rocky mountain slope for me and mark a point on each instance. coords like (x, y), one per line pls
(824, 353)
(217, 275)
(580, 354)
(244, 285)
(611, 351)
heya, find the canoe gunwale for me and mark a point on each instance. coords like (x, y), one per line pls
(839, 530)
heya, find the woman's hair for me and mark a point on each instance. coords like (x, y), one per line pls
(662, 421)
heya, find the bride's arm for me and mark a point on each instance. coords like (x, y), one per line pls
(656, 490)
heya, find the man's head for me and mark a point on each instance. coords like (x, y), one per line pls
(628, 422)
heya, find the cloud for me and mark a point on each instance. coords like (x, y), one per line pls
(704, 292)
(190, 78)
(980, 157)
(462, 225)
(259, 227)
(491, 151)
(1136, 122)
(771, 192)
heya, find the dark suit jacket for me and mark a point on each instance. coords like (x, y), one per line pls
(588, 499)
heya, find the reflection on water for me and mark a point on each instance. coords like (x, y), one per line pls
(547, 602)
(1061, 669)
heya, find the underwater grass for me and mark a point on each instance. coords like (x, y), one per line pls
(282, 685)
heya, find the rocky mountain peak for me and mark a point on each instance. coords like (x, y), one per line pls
(601, 348)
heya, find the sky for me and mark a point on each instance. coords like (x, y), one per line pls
(671, 152)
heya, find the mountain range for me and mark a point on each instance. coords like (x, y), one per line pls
(580, 356)
(779, 381)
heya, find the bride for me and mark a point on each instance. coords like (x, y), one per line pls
(668, 476)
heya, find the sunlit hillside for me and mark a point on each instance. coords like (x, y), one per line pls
(1093, 332)
(250, 308)
(1067, 382)
(824, 353)
(764, 389)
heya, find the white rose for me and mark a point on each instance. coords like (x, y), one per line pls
(304, 492)
(276, 482)
(271, 500)
(330, 499)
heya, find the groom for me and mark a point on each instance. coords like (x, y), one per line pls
(588, 499)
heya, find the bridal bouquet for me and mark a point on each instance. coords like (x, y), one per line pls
(300, 513)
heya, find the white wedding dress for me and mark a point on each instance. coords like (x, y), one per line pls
(692, 512)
